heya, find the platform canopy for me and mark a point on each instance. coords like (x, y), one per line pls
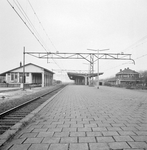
(82, 78)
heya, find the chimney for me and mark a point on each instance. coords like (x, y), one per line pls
(120, 70)
(20, 64)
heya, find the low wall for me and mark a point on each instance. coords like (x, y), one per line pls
(29, 86)
(9, 85)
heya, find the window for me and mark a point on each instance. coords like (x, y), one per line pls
(12, 76)
(126, 76)
(27, 74)
(15, 75)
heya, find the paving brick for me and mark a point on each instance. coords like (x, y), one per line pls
(77, 125)
(96, 121)
(90, 125)
(87, 140)
(49, 126)
(69, 140)
(118, 124)
(98, 146)
(51, 140)
(63, 126)
(127, 132)
(40, 130)
(54, 130)
(104, 125)
(76, 120)
(28, 135)
(129, 128)
(36, 126)
(69, 129)
(88, 119)
(64, 119)
(108, 121)
(143, 125)
(137, 144)
(71, 122)
(33, 140)
(30, 129)
(61, 134)
(114, 129)
(84, 129)
(77, 133)
(45, 134)
(39, 147)
(20, 147)
(118, 145)
(99, 129)
(58, 147)
(18, 141)
(140, 138)
(144, 128)
(105, 139)
(57, 122)
(78, 146)
(131, 125)
(110, 133)
(141, 132)
(133, 149)
(93, 133)
(122, 138)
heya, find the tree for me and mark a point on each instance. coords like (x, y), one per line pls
(143, 76)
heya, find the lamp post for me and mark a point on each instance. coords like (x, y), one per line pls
(98, 69)
(98, 64)
(23, 68)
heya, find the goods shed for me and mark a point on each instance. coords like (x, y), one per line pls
(34, 74)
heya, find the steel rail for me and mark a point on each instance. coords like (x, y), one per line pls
(3, 114)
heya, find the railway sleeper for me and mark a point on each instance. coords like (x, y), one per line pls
(14, 117)
(9, 122)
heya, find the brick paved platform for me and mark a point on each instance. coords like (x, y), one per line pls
(86, 118)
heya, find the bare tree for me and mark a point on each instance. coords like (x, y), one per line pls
(143, 76)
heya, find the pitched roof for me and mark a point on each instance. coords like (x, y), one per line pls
(83, 74)
(127, 71)
(2, 74)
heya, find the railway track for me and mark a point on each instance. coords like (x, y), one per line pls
(14, 115)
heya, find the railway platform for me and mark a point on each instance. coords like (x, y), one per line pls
(86, 118)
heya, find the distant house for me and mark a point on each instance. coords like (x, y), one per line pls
(34, 74)
(125, 77)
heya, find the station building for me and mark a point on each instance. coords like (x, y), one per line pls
(81, 78)
(34, 74)
(125, 77)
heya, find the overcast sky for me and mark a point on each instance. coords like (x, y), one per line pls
(74, 26)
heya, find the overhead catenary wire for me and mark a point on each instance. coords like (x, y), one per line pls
(127, 62)
(131, 46)
(43, 30)
(135, 44)
(41, 25)
(27, 24)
